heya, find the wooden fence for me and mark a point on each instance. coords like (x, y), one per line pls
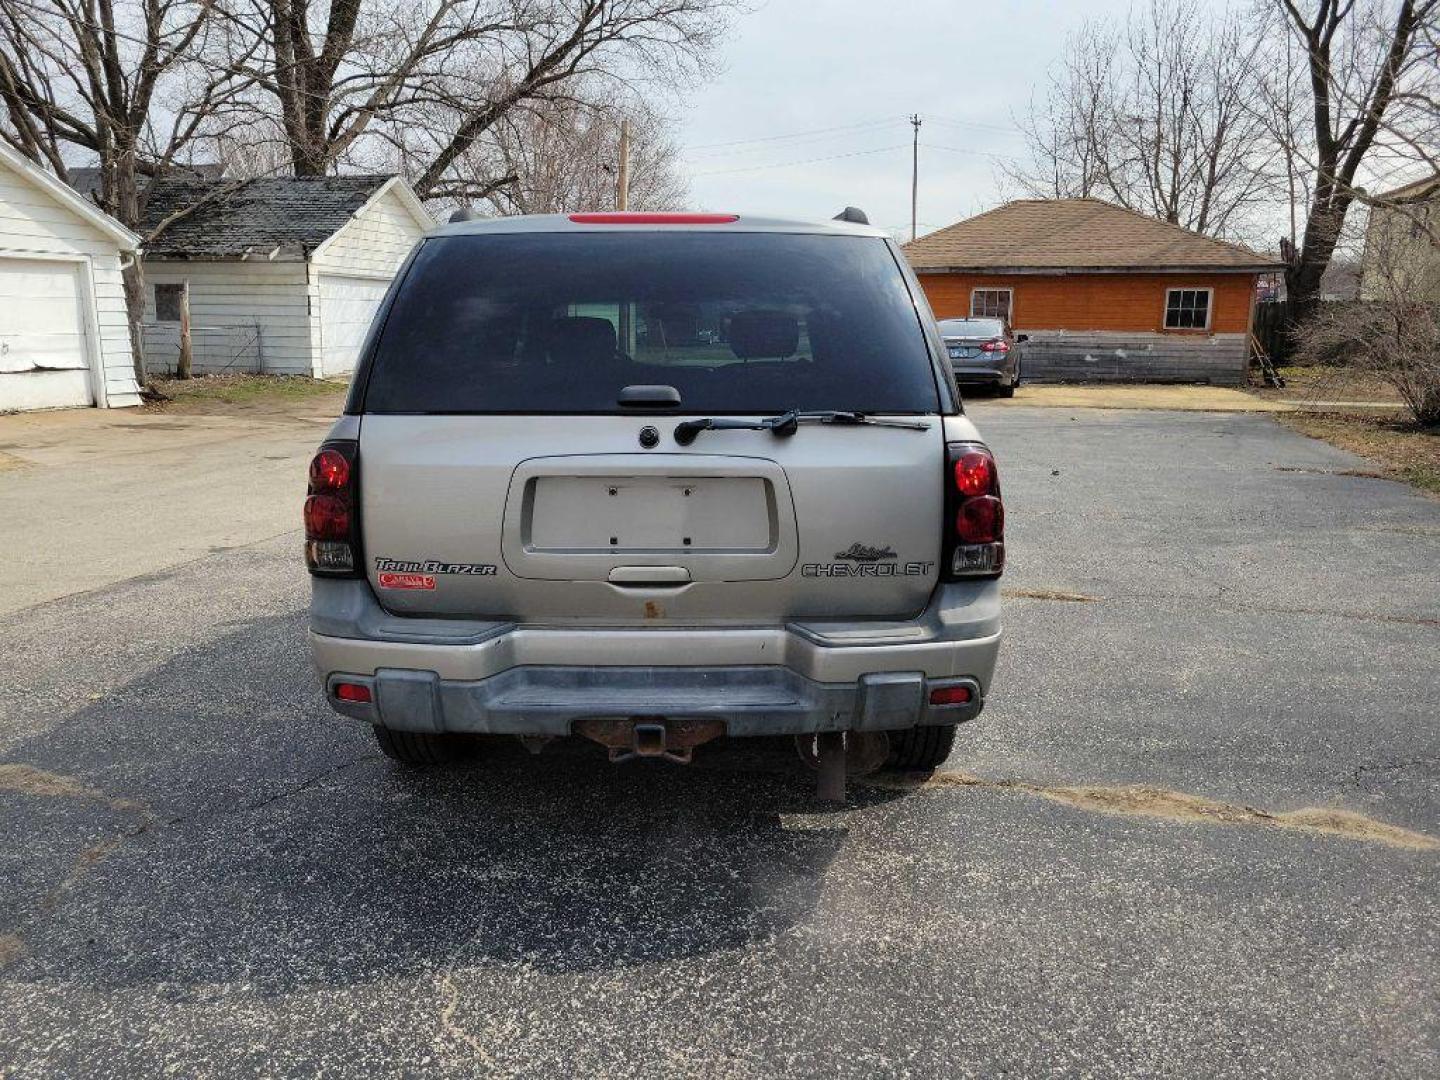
(1271, 318)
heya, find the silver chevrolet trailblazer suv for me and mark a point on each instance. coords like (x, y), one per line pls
(653, 479)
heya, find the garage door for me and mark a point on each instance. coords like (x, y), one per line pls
(347, 305)
(44, 359)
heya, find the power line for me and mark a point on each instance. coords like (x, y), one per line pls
(791, 135)
(1006, 130)
(804, 161)
(976, 153)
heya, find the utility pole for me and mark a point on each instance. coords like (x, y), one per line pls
(622, 183)
(915, 123)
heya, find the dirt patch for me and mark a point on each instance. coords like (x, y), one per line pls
(11, 949)
(28, 780)
(1049, 594)
(1406, 452)
(1165, 805)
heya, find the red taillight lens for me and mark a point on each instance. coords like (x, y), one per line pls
(999, 345)
(326, 518)
(980, 520)
(641, 218)
(974, 473)
(332, 542)
(349, 691)
(950, 695)
(329, 471)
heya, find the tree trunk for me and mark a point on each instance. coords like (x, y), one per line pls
(133, 280)
(182, 365)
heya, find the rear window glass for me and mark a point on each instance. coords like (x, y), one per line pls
(972, 327)
(736, 322)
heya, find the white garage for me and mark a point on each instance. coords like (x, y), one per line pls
(282, 275)
(347, 304)
(64, 340)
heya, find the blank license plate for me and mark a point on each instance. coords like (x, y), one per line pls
(655, 514)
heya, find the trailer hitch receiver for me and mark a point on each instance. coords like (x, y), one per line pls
(671, 738)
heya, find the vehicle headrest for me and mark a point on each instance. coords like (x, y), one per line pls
(770, 335)
(580, 337)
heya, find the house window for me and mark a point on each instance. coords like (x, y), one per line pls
(167, 302)
(990, 304)
(1187, 309)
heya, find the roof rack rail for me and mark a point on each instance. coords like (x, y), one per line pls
(852, 214)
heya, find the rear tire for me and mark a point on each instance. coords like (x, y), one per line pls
(422, 747)
(1008, 390)
(920, 749)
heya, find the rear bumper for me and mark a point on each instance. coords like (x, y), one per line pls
(982, 376)
(504, 678)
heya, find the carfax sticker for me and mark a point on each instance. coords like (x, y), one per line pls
(406, 581)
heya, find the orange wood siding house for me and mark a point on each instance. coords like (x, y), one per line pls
(1103, 293)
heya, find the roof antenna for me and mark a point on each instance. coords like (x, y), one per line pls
(464, 213)
(852, 214)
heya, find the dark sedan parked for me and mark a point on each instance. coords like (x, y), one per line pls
(984, 352)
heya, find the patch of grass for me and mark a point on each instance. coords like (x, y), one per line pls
(1316, 384)
(1406, 451)
(242, 392)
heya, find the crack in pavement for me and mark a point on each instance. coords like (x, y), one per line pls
(1221, 602)
(1048, 594)
(450, 1029)
(1358, 776)
(1165, 805)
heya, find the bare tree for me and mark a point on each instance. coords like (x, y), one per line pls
(562, 156)
(123, 81)
(1156, 116)
(434, 79)
(1394, 333)
(1365, 66)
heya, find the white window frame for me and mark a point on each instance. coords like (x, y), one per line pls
(1209, 309)
(1008, 318)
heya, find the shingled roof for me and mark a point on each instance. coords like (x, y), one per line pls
(288, 216)
(1075, 234)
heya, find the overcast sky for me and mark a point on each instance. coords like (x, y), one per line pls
(799, 66)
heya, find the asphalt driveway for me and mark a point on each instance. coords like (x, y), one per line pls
(1212, 624)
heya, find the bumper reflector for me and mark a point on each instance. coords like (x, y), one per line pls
(349, 691)
(950, 695)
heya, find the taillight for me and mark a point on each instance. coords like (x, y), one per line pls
(999, 345)
(332, 526)
(975, 514)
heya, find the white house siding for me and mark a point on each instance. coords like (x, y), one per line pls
(41, 235)
(349, 274)
(251, 315)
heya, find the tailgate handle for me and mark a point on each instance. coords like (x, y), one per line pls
(656, 577)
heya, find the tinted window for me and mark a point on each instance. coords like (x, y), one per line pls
(972, 328)
(737, 322)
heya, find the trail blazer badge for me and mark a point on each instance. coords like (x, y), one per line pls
(432, 566)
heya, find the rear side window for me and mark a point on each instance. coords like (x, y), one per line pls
(972, 328)
(737, 322)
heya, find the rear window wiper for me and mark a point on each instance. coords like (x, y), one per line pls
(787, 423)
